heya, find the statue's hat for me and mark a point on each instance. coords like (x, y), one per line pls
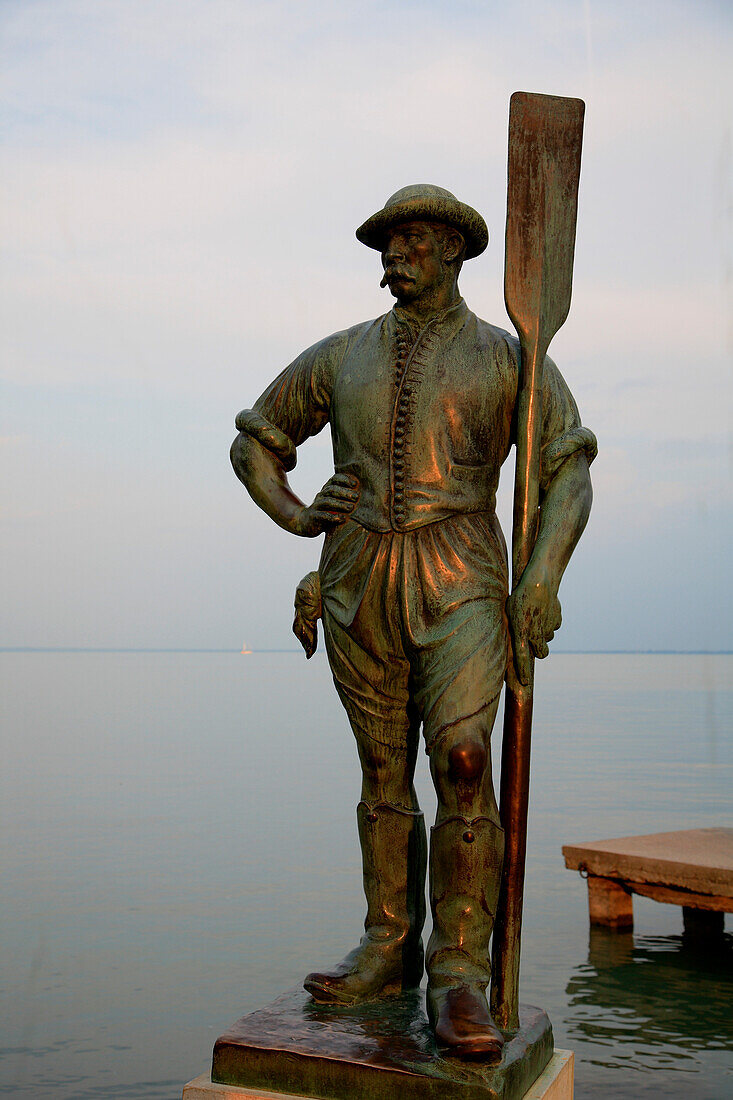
(426, 202)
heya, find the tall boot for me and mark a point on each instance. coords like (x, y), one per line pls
(465, 868)
(390, 956)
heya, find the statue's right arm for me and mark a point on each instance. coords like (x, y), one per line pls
(263, 475)
(294, 407)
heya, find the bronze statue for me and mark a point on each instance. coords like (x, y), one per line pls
(412, 590)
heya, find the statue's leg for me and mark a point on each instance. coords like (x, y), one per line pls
(466, 851)
(389, 957)
(460, 677)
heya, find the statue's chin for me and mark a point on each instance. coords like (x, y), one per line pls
(403, 290)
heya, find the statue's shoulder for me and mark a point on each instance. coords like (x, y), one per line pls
(505, 352)
(374, 326)
(503, 344)
(346, 337)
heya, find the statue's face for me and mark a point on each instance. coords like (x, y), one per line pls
(412, 260)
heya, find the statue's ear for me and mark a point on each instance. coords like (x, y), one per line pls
(453, 246)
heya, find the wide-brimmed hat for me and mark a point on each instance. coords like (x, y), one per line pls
(426, 202)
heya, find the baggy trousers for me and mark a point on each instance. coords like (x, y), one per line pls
(415, 627)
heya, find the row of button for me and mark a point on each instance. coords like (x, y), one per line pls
(411, 351)
(405, 343)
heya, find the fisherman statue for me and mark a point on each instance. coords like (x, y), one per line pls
(412, 590)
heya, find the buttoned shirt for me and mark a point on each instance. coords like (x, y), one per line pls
(423, 417)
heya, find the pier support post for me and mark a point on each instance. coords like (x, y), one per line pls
(609, 903)
(703, 923)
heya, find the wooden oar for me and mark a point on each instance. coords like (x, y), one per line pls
(545, 140)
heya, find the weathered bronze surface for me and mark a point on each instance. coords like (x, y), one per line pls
(545, 142)
(424, 405)
(370, 1052)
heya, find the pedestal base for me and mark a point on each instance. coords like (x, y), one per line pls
(297, 1047)
(554, 1083)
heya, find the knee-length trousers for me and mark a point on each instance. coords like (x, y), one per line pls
(415, 626)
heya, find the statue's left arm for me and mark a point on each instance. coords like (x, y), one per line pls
(568, 449)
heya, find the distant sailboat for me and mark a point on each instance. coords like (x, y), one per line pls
(244, 648)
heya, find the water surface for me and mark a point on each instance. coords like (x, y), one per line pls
(179, 846)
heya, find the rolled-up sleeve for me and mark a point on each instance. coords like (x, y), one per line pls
(562, 432)
(298, 402)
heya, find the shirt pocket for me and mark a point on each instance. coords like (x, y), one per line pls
(464, 471)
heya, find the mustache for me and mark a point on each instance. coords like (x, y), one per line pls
(396, 272)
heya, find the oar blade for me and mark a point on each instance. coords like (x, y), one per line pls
(545, 143)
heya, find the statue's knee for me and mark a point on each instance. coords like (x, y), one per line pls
(467, 760)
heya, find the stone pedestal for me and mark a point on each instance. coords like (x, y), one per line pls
(295, 1047)
(554, 1083)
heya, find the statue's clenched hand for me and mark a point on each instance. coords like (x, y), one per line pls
(334, 504)
(534, 614)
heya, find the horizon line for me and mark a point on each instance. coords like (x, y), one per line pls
(196, 649)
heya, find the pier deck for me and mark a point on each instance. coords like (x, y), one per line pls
(692, 868)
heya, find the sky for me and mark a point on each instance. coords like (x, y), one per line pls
(180, 182)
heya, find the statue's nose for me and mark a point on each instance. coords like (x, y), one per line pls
(393, 254)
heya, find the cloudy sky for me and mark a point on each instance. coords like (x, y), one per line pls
(181, 180)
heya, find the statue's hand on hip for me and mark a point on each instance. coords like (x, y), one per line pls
(534, 614)
(334, 504)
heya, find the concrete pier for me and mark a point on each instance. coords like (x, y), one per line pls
(692, 868)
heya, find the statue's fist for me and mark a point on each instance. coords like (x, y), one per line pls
(534, 614)
(334, 504)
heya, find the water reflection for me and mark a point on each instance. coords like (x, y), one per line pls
(657, 999)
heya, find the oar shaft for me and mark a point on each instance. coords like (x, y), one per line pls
(514, 801)
(517, 734)
(529, 433)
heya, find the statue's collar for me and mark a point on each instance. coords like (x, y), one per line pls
(402, 317)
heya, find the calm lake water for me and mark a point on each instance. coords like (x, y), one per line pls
(179, 846)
